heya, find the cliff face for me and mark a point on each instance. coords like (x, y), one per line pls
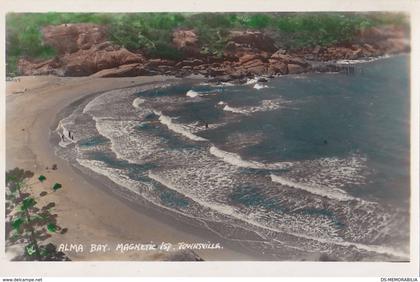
(83, 50)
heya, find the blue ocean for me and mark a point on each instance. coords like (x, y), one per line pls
(292, 168)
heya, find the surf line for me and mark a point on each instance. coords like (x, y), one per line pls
(236, 160)
(331, 193)
(177, 128)
(232, 212)
(334, 194)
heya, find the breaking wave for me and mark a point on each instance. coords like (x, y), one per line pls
(178, 128)
(265, 105)
(192, 94)
(260, 86)
(137, 102)
(332, 193)
(236, 160)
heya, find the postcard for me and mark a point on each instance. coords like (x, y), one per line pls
(208, 137)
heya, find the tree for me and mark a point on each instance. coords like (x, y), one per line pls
(26, 223)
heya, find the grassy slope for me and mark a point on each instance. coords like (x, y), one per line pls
(151, 32)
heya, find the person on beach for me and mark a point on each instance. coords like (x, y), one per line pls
(207, 125)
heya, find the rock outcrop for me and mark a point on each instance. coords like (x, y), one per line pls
(82, 62)
(251, 64)
(123, 70)
(48, 67)
(187, 42)
(83, 50)
(184, 38)
(87, 62)
(371, 42)
(70, 38)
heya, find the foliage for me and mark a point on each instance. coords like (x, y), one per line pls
(151, 32)
(26, 222)
(56, 186)
(148, 32)
(309, 30)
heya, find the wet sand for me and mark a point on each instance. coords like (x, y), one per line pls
(91, 213)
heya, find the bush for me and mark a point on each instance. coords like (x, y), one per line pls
(27, 222)
(258, 21)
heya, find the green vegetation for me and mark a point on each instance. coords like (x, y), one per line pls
(151, 32)
(148, 32)
(27, 223)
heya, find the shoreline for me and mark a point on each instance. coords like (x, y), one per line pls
(340, 65)
(179, 225)
(82, 205)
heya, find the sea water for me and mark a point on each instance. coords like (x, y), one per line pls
(308, 164)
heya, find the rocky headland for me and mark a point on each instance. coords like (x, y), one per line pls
(83, 49)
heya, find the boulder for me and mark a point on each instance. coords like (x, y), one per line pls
(255, 67)
(250, 63)
(87, 62)
(70, 38)
(253, 63)
(295, 69)
(183, 38)
(249, 57)
(277, 67)
(288, 59)
(187, 42)
(123, 71)
(47, 67)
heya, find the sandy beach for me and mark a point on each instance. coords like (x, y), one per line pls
(91, 213)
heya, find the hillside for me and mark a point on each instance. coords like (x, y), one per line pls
(211, 44)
